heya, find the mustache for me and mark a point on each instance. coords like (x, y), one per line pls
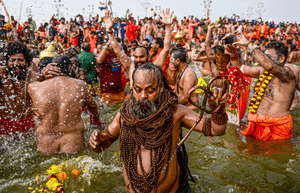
(17, 67)
(19, 75)
(144, 108)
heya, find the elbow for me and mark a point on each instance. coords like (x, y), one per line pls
(221, 130)
(269, 68)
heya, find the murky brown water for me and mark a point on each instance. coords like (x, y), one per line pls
(230, 163)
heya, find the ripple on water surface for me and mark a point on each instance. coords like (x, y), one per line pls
(229, 163)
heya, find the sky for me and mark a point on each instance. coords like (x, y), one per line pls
(42, 10)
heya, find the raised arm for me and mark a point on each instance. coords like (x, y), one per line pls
(208, 40)
(124, 59)
(101, 57)
(281, 72)
(167, 20)
(291, 57)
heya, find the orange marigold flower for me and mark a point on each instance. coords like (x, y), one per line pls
(62, 176)
(76, 172)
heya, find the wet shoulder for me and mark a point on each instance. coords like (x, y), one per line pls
(190, 75)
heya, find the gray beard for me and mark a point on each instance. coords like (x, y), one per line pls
(144, 108)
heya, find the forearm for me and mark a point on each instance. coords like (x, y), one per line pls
(168, 37)
(109, 139)
(101, 57)
(171, 76)
(91, 105)
(216, 124)
(208, 43)
(262, 58)
(200, 58)
(115, 45)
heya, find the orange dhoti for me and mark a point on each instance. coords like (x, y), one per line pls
(74, 41)
(269, 128)
(112, 98)
(44, 35)
(202, 37)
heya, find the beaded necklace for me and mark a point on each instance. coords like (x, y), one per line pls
(260, 87)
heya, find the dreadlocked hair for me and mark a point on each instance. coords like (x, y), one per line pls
(153, 132)
(17, 48)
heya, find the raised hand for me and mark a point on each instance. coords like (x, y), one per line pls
(167, 18)
(108, 22)
(211, 26)
(220, 95)
(243, 39)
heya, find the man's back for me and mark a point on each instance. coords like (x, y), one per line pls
(59, 101)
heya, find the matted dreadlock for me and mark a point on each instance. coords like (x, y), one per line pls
(154, 133)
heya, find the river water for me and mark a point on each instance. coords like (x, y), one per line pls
(229, 163)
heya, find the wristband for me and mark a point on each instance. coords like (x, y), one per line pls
(121, 56)
(110, 32)
(242, 68)
(248, 44)
(252, 49)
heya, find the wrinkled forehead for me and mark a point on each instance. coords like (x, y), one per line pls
(145, 77)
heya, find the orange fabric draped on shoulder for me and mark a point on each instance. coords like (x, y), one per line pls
(269, 128)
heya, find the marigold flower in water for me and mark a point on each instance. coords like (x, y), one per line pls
(60, 189)
(50, 177)
(52, 184)
(76, 172)
(62, 176)
(54, 169)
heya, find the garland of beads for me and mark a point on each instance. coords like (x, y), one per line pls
(260, 87)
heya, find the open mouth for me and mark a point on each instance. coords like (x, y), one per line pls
(18, 70)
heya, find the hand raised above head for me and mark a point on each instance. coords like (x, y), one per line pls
(167, 17)
(211, 25)
(108, 21)
(243, 39)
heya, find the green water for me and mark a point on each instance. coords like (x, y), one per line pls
(229, 163)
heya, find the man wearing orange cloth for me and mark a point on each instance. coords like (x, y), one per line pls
(74, 33)
(269, 110)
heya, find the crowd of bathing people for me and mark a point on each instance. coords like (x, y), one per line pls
(55, 72)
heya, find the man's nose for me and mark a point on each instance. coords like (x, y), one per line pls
(144, 95)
